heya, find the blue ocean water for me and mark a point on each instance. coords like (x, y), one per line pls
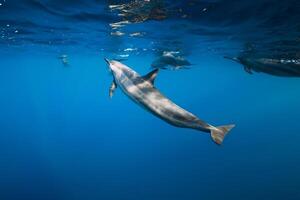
(62, 137)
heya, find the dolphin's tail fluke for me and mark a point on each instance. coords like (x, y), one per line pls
(218, 133)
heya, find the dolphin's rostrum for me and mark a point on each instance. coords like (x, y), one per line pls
(142, 91)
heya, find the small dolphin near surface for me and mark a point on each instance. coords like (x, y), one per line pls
(64, 60)
(141, 90)
(171, 59)
(276, 67)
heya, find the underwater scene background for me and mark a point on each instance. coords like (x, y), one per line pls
(227, 61)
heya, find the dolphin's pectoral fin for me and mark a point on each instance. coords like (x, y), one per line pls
(248, 69)
(236, 59)
(151, 76)
(112, 88)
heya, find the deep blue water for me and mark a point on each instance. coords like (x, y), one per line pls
(62, 137)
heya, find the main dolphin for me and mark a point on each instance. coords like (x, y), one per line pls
(142, 91)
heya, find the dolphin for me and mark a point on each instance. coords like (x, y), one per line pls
(64, 60)
(170, 59)
(272, 66)
(141, 90)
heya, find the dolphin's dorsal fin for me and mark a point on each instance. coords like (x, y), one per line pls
(112, 88)
(151, 76)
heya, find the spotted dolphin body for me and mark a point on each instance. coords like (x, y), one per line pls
(142, 91)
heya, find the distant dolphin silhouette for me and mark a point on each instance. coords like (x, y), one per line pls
(64, 60)
(172, 60)
(276, 67)
(142, 91)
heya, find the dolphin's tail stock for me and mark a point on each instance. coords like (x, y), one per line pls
(218, 133)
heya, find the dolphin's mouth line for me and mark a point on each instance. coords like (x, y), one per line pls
(109, 69)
